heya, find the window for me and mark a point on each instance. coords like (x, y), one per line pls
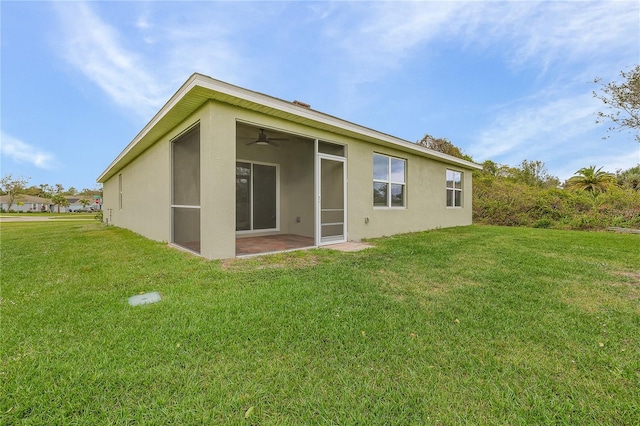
(120, 191)
(388, 181)
(331, 149)
(454, 188)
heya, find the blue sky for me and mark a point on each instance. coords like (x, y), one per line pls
(505, 81)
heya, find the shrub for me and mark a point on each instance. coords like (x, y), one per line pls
(543, 223)
(499, 201)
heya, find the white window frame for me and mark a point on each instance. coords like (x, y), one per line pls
(389, 181)
(453, 188)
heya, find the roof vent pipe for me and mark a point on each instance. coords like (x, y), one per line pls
(302, 104)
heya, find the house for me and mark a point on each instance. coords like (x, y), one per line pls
(24, 203)
(223, 171)
(78, 203)
(74, 204)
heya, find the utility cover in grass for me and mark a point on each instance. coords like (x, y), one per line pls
(143, 299)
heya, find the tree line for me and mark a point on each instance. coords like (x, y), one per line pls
(15, 187)
(591, 199)
(528, 195)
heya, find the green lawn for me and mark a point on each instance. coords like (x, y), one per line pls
(51, 215)
(471, 325)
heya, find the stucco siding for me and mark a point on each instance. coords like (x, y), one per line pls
(425, 204)
(146, 193)
(218, 152)
(146, 189)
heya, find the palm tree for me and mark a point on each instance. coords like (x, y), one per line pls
(632, 180)
(591, 180)
(84, 203)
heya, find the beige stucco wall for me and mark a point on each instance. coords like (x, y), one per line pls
(146, 192)
(425, 196)
(147, 184)
(218, 168)
(146, 188)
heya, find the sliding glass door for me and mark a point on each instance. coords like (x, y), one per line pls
(257, 194)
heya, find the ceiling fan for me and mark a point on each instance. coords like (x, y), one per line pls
(264, 140)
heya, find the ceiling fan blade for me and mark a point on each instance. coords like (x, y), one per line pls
(263, 139)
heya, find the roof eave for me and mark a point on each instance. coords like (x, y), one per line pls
(225, 92)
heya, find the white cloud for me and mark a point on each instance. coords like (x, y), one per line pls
(536, 125)
(526, 34)
(97, 50)
(377, 37)
(203, 48)
(21, 152)
(593, 34)
(139, 67)
(142, 23)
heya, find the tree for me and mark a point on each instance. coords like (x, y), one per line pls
(13, 187)
(443, 145)
(59, 200)
(623, 102)
(85, 203)
(494, 170)
(534, 173)
(591, 180)
(91, 192)
(629, 178)
(46, 191)
(32, 190)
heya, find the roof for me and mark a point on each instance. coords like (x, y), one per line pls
(24, 198)
(199, 88)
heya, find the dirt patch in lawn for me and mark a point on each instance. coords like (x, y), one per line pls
(618, 291)
(634, 278)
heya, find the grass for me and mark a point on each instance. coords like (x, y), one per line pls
(466, 325)
(50, 215)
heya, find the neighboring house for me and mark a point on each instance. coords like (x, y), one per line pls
(26, 203)
(219, 164)
(75, 204)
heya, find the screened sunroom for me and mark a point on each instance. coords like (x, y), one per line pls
(278, 178)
